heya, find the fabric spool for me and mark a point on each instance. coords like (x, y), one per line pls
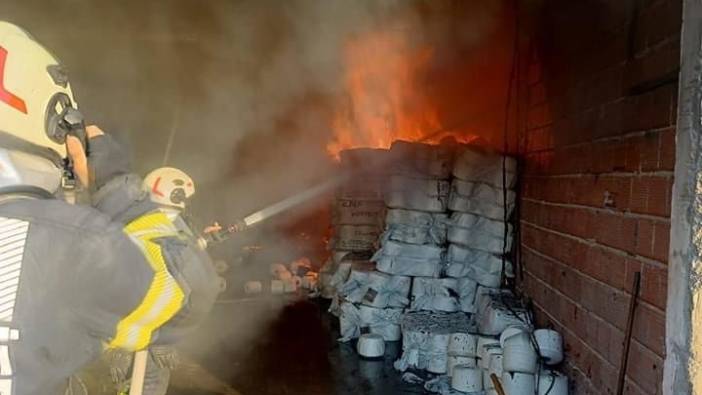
(467, 379)
(371, 346)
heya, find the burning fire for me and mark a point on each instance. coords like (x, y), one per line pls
(384, 98)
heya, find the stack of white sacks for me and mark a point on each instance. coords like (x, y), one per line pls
(414, 242)
(479, 232)
(358, 213)
(364, 299)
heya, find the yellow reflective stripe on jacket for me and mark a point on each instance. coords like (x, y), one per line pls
(164, 297)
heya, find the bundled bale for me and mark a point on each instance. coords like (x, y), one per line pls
(356, 318)
(501, 312)
(326, 273)
(355, 287)
(426, 337)
(480, 233)
(477, 165)
(481, 266)
(435, 294)
(356, 238)
(415, 227)
(385, 290)
(421, 194)
(417, 159)
(480, 199)
(409, 259)
(467, 294)
(358, 212)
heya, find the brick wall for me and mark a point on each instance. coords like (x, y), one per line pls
(598, 93)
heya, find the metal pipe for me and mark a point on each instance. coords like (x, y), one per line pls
(627, 337)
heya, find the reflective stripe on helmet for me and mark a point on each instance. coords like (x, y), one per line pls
(164, 297)
(5, 95)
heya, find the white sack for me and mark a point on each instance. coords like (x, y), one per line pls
(477, 165)
(480, 233)
(480, 199)
(417, 194)
(435, 294)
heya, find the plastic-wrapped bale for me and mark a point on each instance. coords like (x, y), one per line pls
(358, 212)
(435, 161)
(385, 290)
(356, 238)
(500, 313)
(409, 259)
(357, 318)
(479, 233)
(326, 273)
(477, 165)
(417, 194)
(483, 267)
(362, 189)
(480, 199)
(356, 286)
(435, 294)
(425, 338)
(415, 227)
(484, 296)
(341, 277)
(467, 289)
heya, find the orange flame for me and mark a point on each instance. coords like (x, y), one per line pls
(384, 101)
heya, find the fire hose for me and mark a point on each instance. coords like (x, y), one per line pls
(272, 210)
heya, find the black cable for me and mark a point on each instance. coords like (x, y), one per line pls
(505, 143)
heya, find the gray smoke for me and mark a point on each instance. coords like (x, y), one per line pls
(248, 89)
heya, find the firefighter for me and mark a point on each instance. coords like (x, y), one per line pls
(76, 279)
(171, 189)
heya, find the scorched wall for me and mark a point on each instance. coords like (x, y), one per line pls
(597, 108)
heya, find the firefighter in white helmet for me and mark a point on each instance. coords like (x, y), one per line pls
(75, 278)
(172, 190)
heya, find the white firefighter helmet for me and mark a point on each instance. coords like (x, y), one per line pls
(35, 98)
(169, 186)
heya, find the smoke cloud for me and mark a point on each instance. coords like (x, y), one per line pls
(242, 94)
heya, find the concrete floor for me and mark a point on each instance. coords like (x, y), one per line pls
(267, 347)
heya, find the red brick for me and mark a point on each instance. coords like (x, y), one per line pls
(654, 284)
(661, 241)
(539, 116)
(654, 63)
(609, 156)
(649, 329)
(651, 195)
(539, 139)
(666, 156)
(644, 238)
(642, 152)
(610, 342)
(613, 230)
(658, 22)
(645, 368)
(650, 110)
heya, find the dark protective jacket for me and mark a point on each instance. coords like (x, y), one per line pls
(76, 279)
(69, 277)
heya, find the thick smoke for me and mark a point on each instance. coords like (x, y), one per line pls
(246, 91)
